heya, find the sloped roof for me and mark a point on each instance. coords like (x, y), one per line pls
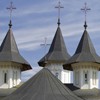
(43, 86)
(88, 94)
(57, 51)
(71, 86)
(9, 51)
(85, 52)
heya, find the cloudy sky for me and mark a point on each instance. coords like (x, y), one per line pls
(35, 20)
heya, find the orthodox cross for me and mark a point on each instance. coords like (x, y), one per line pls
(59, 8)
(85, 9)
(11, 8)
(45, 44)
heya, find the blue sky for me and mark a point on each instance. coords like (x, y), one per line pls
(33, 20)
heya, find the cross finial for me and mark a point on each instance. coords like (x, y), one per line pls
(59, 7)
(85, 9)
(45, 45)
(11, 8)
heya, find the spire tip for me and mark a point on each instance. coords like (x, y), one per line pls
(10, 24)
(85, 25)
(58, 22)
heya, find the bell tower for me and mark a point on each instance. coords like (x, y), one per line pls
(57, 54)
(85, 63)
(11, 62)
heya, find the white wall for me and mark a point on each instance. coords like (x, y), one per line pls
(86, 75)
(57, 69)
(9, 69)
(66, 76)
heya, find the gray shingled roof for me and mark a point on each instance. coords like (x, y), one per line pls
(43, 86)
(85, 52)
(57, 51)
(88, 94)
(9, 51)
(71, 86)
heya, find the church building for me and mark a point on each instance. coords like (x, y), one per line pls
(48, 84)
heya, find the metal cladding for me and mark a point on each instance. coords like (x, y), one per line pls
(10, 53)
(57, 51)
(85, 52)
(43, 86)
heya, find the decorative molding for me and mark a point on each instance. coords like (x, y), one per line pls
(86, 66)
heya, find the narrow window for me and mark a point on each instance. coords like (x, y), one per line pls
(95, 77)
(57, 75)
(86, 77)
(5, 77)
(13, 77)
(16, 77)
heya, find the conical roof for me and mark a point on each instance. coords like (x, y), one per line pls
(57, 51)
(43, 86)
(85, 52)
(9, 51)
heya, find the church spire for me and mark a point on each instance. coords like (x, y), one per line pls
(85, 51)
(59, 9)
(9, 50)
(85, 9)
(57, 52)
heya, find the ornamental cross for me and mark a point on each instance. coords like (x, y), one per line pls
(85, 9)
(59, 7)
(11, 8)
(45, 44)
